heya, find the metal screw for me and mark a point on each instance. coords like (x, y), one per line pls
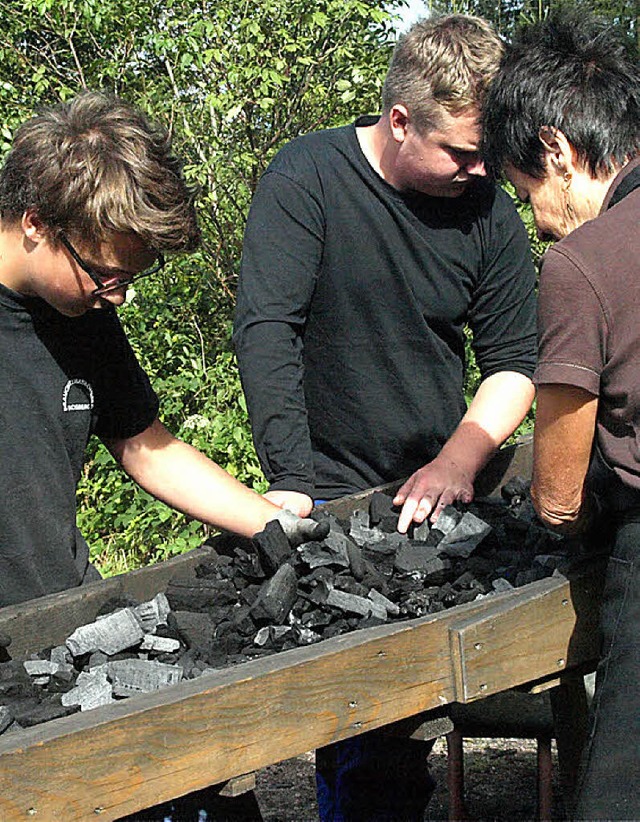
(98, 811)
(32, 811)
(353, 704)
(478, 646)
(357, 725)
(483, 686)
(382, 654)
(560, 663)
(565, 601)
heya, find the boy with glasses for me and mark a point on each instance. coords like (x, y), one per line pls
(91, 197)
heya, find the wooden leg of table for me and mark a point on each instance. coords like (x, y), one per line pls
(455, 775)
(545, 776)
(570, 716)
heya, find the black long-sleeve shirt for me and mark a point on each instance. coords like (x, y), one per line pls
(351, 309)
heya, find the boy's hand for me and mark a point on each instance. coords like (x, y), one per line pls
(299, 530)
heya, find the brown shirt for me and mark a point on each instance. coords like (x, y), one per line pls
(589, 323)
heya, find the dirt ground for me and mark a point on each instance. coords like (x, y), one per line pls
(500, 784)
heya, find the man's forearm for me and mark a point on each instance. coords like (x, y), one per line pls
(186, 480)
(499, 406)
(563, 441)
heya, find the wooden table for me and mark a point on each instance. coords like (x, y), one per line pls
(131, 755)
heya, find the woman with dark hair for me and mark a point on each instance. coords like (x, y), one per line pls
(563, 123)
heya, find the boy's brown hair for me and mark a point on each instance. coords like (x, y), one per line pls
(94, 166)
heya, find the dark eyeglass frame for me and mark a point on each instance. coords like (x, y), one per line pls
(97, 279)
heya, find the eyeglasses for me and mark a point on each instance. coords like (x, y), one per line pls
(123, 278)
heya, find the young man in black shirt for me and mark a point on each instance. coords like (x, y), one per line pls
(367, 251)
(91, 197)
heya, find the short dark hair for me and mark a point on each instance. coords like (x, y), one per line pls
(446, 62)
(571, 72)
(96, 165)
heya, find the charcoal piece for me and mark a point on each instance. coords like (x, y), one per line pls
(437, 571)
(468, 595)
(515, 489)
(374, 578)
(277, 596)
(350, 586)
(416, 604)
(549, 562)
(501, 585)
(91, 691)
(117, 603)
(40, 667)
(379, 599)
(411, 557)
(479, 566)
(356, 561)
(109, 634)
(195, 629)
(6, 718)
(64, 675)
(241, 618)
(322, 573)
(360, 532)
(95, 660)
(465, 580)
(43, 711)
(349, 603)
(271, 635)
(529, 575)
(305, 636)
(159, 644)
(152, 613)
(331, 552)
(61, 655)
(249, 595)
(141, 676)
(380, 508)
(448, 519)
(191, 593)
(272, 547)
(421, 532)
(249, 565)
(465, 537)
(372, 621)
(15, 682)
(315, 619)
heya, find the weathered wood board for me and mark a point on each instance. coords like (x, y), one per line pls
(127, 756)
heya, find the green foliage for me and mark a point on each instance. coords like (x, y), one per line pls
(233, 81)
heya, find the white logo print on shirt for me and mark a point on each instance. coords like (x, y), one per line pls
(77, 396)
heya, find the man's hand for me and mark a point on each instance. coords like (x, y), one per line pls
(433, 486)
(300, 504)
(299, 530)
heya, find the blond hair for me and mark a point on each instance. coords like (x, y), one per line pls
(445, 62)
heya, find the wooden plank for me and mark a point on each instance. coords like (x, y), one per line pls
(129, 756)
(151, 748)
(542, 628)
(49, 620)
(134, 754)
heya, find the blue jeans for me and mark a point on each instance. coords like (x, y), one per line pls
(610, 783)
(373, 778)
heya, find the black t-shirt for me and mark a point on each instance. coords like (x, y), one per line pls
(63, 379)
(351, 309)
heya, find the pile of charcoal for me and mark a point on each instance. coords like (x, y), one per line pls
(261, 597)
